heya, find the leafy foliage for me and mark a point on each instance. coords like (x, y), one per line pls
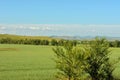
(93, 59)
(68, 61)
(99, 67)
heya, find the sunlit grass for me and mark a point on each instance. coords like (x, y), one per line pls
(26, 62)
(29, 62)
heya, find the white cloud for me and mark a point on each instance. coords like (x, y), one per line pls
(46, 28)
(34, 28)
(57, 29)
(21, 27)
(92, 30)
(2, 27)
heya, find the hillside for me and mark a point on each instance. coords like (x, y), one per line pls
(54, 37)
(25, 37)
(85, 37)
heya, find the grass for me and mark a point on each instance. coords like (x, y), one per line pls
(30, 62)
(26, 62)
(114, 57)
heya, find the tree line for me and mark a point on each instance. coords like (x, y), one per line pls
(52, 42)
(114, 43)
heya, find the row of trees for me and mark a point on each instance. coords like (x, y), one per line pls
(24, 41)
(53, 42)
(34, 41)
(115, 43)
(90, 62)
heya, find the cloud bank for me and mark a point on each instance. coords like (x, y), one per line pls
(61, 29)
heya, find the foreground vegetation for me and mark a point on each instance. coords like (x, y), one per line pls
(92, 60)
(30, 62)
(76, 60)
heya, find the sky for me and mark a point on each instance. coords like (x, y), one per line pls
(60, 17)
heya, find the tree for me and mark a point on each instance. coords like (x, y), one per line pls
(61, 42)
(36, 42)
(45, 42)
(98, 65)
(75, 42)
(69, 61)
(74, 62)
(117, 43)
(54, 42)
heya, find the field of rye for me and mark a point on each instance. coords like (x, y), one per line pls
(30, 62)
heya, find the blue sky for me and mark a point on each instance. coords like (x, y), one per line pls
(95, 17)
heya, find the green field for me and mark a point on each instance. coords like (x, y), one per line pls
(25, 62)
(114, 57)
(29, 62)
